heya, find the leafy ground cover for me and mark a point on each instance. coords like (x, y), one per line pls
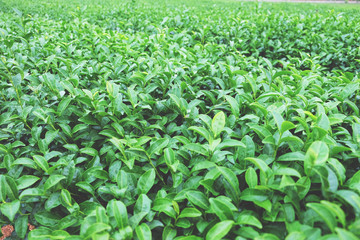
(176, 120)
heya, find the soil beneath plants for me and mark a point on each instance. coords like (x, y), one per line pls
(7, 230)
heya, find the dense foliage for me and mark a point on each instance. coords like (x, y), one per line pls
(179, 120)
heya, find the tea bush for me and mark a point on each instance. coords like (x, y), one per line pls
(179, 120)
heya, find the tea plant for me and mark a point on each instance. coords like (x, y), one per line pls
(179, 120)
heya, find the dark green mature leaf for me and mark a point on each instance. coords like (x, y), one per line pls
(86, 186)
(26, 181)
(169, 233)
(42, 233)
(191, 237)
(146, 181)
(325, 214)
(143, 204)
(202, 131)
(66, 197)
(41, 162)
(157, 146)
(198, 199)
(235, 108)
(164, 205)
(253, 195)
(190, 212)
(221, 209)
(292, 156)
(143, 232)
(10, 209)
(31, 192)
(251, 177)
(219, 230)
(231, 143)
(345, 235)
(3, 188)
(232, 180)
(46, 218)
(89, 151)
(63, 105)
(351, 198)
(96, 228)
(170, 159)
(259, 163)
(197, 148)
(21, 226)
(285, 126)
(52, 181)
(336, 210)
(118, 210)
(248, 219)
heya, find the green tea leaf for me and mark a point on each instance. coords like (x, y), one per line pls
(285, 126)
(143, 232)
(221, 209)
(63, 105)
(248, 219)
(96, 228)
(251, 177)
(232, 180)
(118, 210)
(3, 188)
(21, 226)
(198, 199)
(66, 197)
(146, 181)
(157, 146)
(317, 154)
(170, 159)
(190, 212)
(218, 123)
(30, 192)
(52, 181)
(235, 108)
(10, 209)
(201, 131)
(325, 214)
(219, 230)
(351, 198)
(345, 235)
(197, 148)
(41, 162)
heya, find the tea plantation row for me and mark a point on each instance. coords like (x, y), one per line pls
(179, 120)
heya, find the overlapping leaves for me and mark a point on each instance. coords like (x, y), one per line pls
(166, 121)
